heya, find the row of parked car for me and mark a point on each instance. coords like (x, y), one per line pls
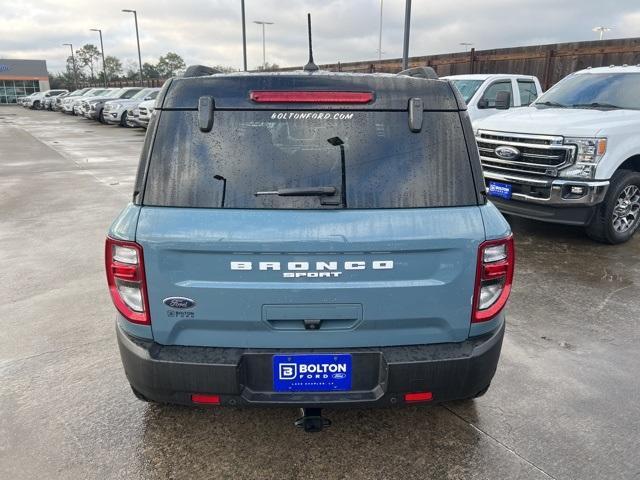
(127, 107)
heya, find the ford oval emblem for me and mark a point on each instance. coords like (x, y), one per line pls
(507, 153)
(179, 302)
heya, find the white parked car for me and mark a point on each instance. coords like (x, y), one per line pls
(49, 101)
(482, 92)
(76, 105)
(573, 157)
(37, 101)
(23, 99)
(145, 111)
(69, 101)
(115, 112)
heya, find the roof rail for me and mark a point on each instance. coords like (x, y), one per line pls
(420, 72)
(200, 71)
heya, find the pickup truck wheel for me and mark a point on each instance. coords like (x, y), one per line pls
(617, 218)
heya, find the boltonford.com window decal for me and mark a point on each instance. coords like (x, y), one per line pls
(312, 115)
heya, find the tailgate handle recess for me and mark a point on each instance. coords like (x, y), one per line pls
(322, 317)
(312, 324)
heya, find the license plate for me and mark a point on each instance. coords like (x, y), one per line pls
(501, 190)
(312, 373)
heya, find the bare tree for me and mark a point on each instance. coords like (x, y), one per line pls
(88, 57)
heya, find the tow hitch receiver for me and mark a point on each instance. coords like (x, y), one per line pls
(312, 420)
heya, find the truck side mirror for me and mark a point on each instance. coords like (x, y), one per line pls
(503, 100)
(483, 103)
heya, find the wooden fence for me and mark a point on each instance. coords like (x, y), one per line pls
(148, 82)
(549, 63)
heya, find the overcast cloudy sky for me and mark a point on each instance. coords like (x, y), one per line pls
(209, 32)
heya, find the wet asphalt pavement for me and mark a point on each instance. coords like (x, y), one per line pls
(565, 402)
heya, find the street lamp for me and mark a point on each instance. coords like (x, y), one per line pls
(407, 26)
(135, 17)
(380, 33)
(73, 62)
(466, 45)
(264, 56)
(601, 31)
(104, 68)
(244, 38)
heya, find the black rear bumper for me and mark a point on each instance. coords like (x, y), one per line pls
(566, 215)
(243, 377)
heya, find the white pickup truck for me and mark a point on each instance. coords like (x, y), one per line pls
(573, 157)
(488, 94)
(37, 100)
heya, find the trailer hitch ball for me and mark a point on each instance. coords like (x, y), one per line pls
(312, 420)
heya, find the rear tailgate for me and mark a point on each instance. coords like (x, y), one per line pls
(388, 258)
(419, 292)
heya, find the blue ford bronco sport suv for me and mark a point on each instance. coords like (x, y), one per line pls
(309, 239)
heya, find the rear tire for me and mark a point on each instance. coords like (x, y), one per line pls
(617, 218)
(36, 105)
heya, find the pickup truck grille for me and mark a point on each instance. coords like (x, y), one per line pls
(538, 154)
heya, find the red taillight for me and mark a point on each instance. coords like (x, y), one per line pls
(494, 276)
(205, 399)
(125, 275)
(284, 96)
(418, 397)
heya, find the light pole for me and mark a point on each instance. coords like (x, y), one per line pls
(407, 25)
(264, 55)
(466, 45)
(104, 68)
(601, 31)
(73, 62)
(135, 17)
(244, 38)
(380, 33)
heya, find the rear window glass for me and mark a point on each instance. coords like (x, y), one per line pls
(372, 156)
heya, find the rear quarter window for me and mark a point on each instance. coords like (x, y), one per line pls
(250, 151)
(528, 92)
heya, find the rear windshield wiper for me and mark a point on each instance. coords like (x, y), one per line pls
(596, 105)
(301, 192)
(551, 104)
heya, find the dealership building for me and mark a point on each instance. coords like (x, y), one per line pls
(22, 77)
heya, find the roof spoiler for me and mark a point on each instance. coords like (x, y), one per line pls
(200, 71)
(420, 72)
